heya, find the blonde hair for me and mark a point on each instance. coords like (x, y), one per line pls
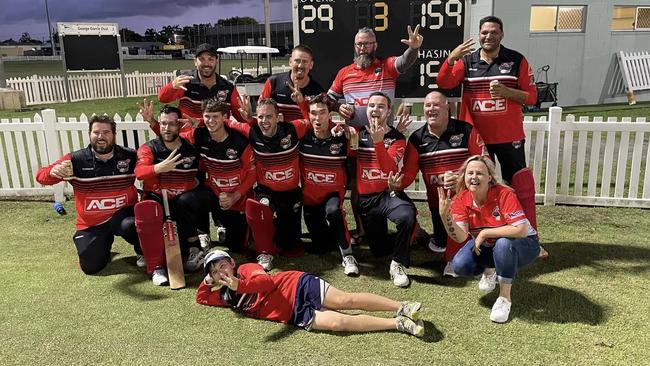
(461, 186)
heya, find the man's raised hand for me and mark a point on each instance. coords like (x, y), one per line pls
(461, 50)
(180, 81)
(415, 39)
(168, 164)
(146, 111)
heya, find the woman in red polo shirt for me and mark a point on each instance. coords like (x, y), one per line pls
(502, 240)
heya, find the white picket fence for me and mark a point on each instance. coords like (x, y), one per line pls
(51, 89)
(576, 162)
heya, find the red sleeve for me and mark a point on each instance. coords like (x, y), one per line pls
(266, 92)
(248, 161)
(337, 84)
(302, 126)
(476, 144)
(155, 128)
(510, 207)
(458, 211)
(43, 174)
(168, 94)
(411, 165)
(254, 279)
(243, 128)
(388, 159)
(391, 67)
(527, 82)
(188, 135)
(235, 106)
(304, 109)
(205, 296)
(144, 166)
(450, 77)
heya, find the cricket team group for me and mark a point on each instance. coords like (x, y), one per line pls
(257, 175)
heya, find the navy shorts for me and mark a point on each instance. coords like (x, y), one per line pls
(309, 298)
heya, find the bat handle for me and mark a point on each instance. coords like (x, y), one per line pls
(165, 202)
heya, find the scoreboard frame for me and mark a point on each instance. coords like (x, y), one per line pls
(329, 27)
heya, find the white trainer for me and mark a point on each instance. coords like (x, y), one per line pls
(398, 274)
(140, 261)
(408, 325)
(266, 261)
(221, 234)
(410, 309)
(194, 259)
(500, 310)
(448, 271)
(159, 277)
(205, 241)
(350, 267)
(488, 283)
(433, 246)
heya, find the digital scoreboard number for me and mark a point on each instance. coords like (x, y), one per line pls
(329, 27)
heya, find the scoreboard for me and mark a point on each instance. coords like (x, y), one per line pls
(329, 27)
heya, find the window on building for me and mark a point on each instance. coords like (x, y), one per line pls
(557, 18)
(630, 18)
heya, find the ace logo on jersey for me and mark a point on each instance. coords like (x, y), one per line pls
(489, 105)
(104, 204)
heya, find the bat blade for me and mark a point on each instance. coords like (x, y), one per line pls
(173, 256)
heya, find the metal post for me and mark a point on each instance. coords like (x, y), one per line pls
(49, 29)
(267, 31)
(3, 80)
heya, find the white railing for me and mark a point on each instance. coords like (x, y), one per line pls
(582, 162)
(52, 89)
(31, 58)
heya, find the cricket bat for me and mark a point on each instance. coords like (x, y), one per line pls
(172, 249)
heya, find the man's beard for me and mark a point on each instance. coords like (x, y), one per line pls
(169, 137)
(102, 149)
(364, 60)
(210, 73)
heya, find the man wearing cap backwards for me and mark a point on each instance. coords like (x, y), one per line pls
(102, 177)
(203, 83)
(299, 298)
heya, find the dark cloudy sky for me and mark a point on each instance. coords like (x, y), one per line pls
(18, 16)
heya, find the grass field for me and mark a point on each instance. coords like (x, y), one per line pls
(587, 305)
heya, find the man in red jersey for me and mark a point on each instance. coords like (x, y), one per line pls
(280, 87)
(300, 299)
(497, 81)
(203, 83)
(102, 178)
(322, 165)
(170, 162)
(438, 149)
(274, 215)
(381, 148)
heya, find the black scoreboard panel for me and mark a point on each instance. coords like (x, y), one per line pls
(91, 52)
(329, 27)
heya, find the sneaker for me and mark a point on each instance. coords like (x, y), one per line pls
(194, 259)
(205, 241)
(398, 274)
(433, 246)
(410, 309)
(159, 277)
(350, 267)
(408, 325)
(448, 271)
(266, 261)
(500, 310)
(488, 283)
(221, 234)
(139, 261)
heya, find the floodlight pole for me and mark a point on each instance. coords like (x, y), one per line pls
(49, 29)
(267, 31)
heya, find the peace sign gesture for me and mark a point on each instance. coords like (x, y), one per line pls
(229, 281)
(168, 164)
(415, 39)
(245, 107)
(296, 93)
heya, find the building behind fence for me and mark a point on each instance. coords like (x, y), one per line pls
(583, 162)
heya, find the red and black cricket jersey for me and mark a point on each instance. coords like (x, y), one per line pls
(356, 84)
(276, 87)
(259, 295)
(229, 164)
(435, 155)
(189, 101)
(322, 167)
(276, 157)
(376, 159)
(497, 120)
(177, 181)
(100, 187)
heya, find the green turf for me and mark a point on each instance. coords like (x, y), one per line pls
(587, 305)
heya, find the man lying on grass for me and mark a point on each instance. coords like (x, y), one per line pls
(299, 298)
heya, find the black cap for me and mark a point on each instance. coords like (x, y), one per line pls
(206, 47)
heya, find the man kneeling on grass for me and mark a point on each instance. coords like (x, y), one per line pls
(299, 298)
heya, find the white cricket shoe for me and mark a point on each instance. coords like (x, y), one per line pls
(140, 261)
(408, 325)
(194, 259)
(488, 283)
(448, 271)
(350, 267)
(205, 241)
(398, 274)
(159, 277)
(410, 309)
(500, 310)
(433, 246)
(266, 261)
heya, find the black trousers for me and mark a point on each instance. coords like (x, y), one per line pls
(234, 221)
(94, 243)
(326, 224)
(511, 155)
(287, 209)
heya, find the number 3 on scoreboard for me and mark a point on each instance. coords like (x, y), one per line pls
(324, 13)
